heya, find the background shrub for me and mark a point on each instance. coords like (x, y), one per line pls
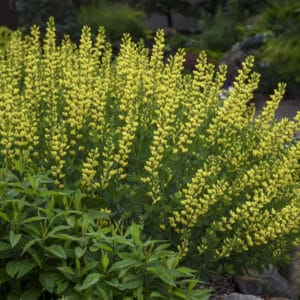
(117, 18)
(37, 12)
(280, 25)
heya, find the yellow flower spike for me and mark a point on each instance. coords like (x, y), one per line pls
(168, 101)
(89, 170)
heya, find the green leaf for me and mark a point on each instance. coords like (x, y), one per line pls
(48, 281)
(32, 181)
(103, 295)
(61, 287)
(123, 241)
(32, 230)
(28, 245)
(33, 219)
(103, 246)
(3, 276)
(35, 255)
(123, 264)
(13, 296)
(180, 294)
(11, 177)
(69, 273)
(14, 238)
(199, 294)
(71, 221)
(105, 261)
(71, 294)
(157, 295)
(90, 280)
(4, 216)
(89, 266)
(192, 283)
(131, 282)
(139, 293)
(65, 237)
(126, 255)
(57, 229)
(25, 266)
(159, 255)
(161, 247)
(113, 282)
(57, 250)
(186, 271)
(4, 246)
(12, 268)
(18, 165)
(162, 273)
(31, 294)
(136, 234)
(79, 252)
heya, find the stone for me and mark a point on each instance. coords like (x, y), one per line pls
(294, 277)
(267, 284)
(278, 298)
(237, 296)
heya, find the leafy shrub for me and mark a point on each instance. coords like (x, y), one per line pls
(219, 32)
(152, 143)
(52, 246)
(117, 18)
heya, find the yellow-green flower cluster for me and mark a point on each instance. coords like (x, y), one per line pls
(89, 171)
(168, 99)
(58, 147)
(231, 115)
(256, 221)
(196, 105)
(197, 197)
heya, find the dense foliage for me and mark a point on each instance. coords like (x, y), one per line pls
(52, 246)
(140, 137)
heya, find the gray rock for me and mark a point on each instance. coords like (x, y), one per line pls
(237, 296)
(294, 277)
(270, 283)
(278, 298)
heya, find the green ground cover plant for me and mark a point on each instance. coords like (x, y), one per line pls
(51, 247)
(154, 145)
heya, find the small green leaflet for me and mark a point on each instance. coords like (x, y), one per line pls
(14, 238)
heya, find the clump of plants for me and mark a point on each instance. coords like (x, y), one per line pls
(155, 145)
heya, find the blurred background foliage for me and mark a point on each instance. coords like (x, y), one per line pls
(228, 30)
(280, 24)
(116, 17)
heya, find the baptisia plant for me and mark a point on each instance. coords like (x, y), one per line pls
(156, 145)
